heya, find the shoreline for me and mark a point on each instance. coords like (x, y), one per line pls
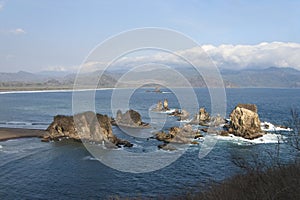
(49, 91)
(16, 133)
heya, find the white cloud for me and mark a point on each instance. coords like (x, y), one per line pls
(18, 31)
(263, 55)
(59, 68)
(226, 56)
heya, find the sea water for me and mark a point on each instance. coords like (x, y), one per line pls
(30, 169)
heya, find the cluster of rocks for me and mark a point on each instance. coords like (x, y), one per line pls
(130, 118)
(244, 121)
(177, 135)
(162, 106)
(89, 126)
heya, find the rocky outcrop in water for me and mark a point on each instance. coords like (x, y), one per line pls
(183, 135)
(202, 118)
(166, 104)
(130, 118)
(244, 122)
(162, 106)
(86, 126)
(182, 115)
(159, 106)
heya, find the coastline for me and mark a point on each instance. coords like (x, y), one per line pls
(16, 133)
(49, 90)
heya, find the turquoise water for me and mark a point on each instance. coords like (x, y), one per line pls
(33, 170)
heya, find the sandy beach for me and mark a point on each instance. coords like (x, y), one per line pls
(14, 133)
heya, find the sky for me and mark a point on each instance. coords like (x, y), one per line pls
(58, 34)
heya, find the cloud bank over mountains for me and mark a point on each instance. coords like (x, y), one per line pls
(263, 55)
(234, 57)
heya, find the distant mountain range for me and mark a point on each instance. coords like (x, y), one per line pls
(269, 77)
(272, 77)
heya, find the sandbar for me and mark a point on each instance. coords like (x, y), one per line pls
(14, 133)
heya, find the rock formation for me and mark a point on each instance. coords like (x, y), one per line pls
(130, 118)
(89, 127)
(162, 106)
(244, 122)
(202, 118)
(159, 106)
(182, 135)
(182, 115)
(166, 104)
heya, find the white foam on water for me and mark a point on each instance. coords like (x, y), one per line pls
(169, 111)
(272, 127)
(185, 121)
(269, 138)
(1, 146)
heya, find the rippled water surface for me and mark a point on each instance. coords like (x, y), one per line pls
(31, 169)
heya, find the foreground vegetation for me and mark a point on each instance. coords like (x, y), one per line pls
(275, 183)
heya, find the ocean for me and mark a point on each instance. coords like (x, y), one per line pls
(30, 169)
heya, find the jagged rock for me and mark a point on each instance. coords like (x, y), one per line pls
(182, 115)
(177, 135)
(163, 136)
(244, 121)
(201, 118)
(89, 127)
(162, 106)
(130, 118)
(159, 106)
(166, 104)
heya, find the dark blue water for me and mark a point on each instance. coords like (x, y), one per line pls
(30, 169)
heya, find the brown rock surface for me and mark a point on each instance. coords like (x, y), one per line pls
(183, 135)
(130, 118)
(86, 126)
(201, 118)
(244, 121)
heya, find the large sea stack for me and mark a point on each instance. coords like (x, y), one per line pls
(244, 121)
(89, 127)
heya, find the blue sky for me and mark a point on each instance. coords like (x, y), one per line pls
(53, 34)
